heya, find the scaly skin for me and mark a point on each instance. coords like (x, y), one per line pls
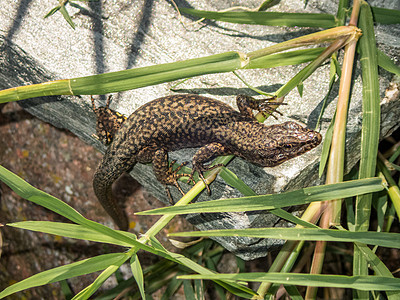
(184, 121)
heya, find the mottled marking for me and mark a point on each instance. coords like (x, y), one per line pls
(184, 121)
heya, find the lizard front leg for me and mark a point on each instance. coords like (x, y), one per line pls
(204, 155)
(247, 104)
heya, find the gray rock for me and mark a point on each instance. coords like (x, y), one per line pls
(115, 35)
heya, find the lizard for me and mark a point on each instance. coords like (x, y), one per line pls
(186, 121)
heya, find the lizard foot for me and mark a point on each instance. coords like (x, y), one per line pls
(172, 177)
(265, 107)
(200, 169)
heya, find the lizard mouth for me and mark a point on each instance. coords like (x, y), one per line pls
(299, 141)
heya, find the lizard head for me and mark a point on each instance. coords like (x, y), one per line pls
(275, 144)
(108, 122)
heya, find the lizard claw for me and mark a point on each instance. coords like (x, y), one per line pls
(265, 107)
(191, 180)
(200, 169)
(170, 199)
(173, 178)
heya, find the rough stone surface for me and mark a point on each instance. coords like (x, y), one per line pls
(115, 35)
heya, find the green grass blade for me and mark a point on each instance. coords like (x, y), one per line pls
(378, 266)
(199, 289)
(79, 268)
(343, 8)
(66, 290)
(385, 15)
(291, 218)
(52, 11)
(387, 63)
(233, 287)
(267, 4)
(333, 70)
(267, 18)
(171, 288)
(380, 204)
(286, 58)
(252, 87)
(127, 79)
(231, 179)
(263, 202)
(326, 146)
(138, 274)
(370, 129)
(95, 285)
(188, 290)
(395, 155)
(371, 109)
(73, 231)
(365, 283)
(293, 292)
(25, 190)
(66, 16)
(384, 239)
(393, 190)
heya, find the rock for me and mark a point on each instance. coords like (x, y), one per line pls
(114, 36)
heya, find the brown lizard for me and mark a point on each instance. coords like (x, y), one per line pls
(183, 121)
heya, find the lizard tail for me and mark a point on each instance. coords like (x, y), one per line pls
(107, 172)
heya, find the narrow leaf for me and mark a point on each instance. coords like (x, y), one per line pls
(384, 239)
(294, 57)
(79, 268)
(326, 146)
(265, 202)
(378, 266)
(25, 190)
(188, 290)
(95, 285)
(52, 11)
(127, 79)
(370, 127)
(365, 283)
(66, 16)
(387, 63)
(385, 15)
(138, 274)
(73, 231)
(267, 18)
(231, 179)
